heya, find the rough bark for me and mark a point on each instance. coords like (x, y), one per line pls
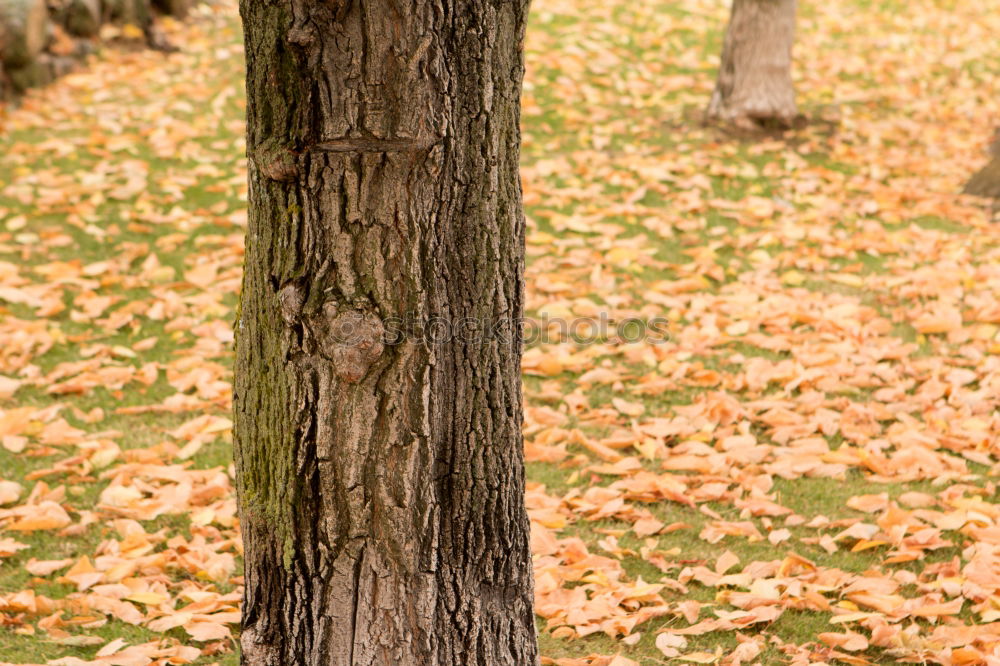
(381, 480)
(754, 87)
(24, 31)
(986, 181)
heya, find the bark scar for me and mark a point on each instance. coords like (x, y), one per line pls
(351, 339)
(291, 297)
(277, 162)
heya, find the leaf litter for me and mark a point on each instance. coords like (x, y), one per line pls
(802, 470)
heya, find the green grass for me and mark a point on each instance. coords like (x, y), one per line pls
(608, 104)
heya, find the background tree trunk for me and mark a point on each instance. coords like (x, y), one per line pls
(381, 485)
(82, 17)
(24, 31)
(178, 8)
(986, 181)
(755, 83)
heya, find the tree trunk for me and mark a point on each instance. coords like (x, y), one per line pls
(41, 71)
(135, 12)
(986, 181)
(754, 88)
(380, 474)
(178, 8)
(24, 31)
(82, 17)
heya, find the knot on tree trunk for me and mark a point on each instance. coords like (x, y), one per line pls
(303, 34)
(276, 159)
(291, 298)
(279, 165)
(754, 88)
(986, 182)
(352, 339)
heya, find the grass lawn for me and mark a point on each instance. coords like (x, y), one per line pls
(802, 469)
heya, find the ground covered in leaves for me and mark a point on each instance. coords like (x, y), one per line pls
(798, 465)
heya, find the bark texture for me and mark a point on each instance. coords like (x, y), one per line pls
(755, 82)
(381, 482)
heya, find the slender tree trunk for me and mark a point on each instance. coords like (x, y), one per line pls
(381, 479)
(755, 82)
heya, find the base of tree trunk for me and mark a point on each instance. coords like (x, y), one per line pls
(754, 87)
(986, 182)
(82, 18)
(24, 31)
(379, 458)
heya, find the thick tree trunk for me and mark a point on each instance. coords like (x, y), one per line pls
(381, 481)
(754, 87)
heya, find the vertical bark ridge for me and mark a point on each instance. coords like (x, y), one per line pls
(381, 485)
